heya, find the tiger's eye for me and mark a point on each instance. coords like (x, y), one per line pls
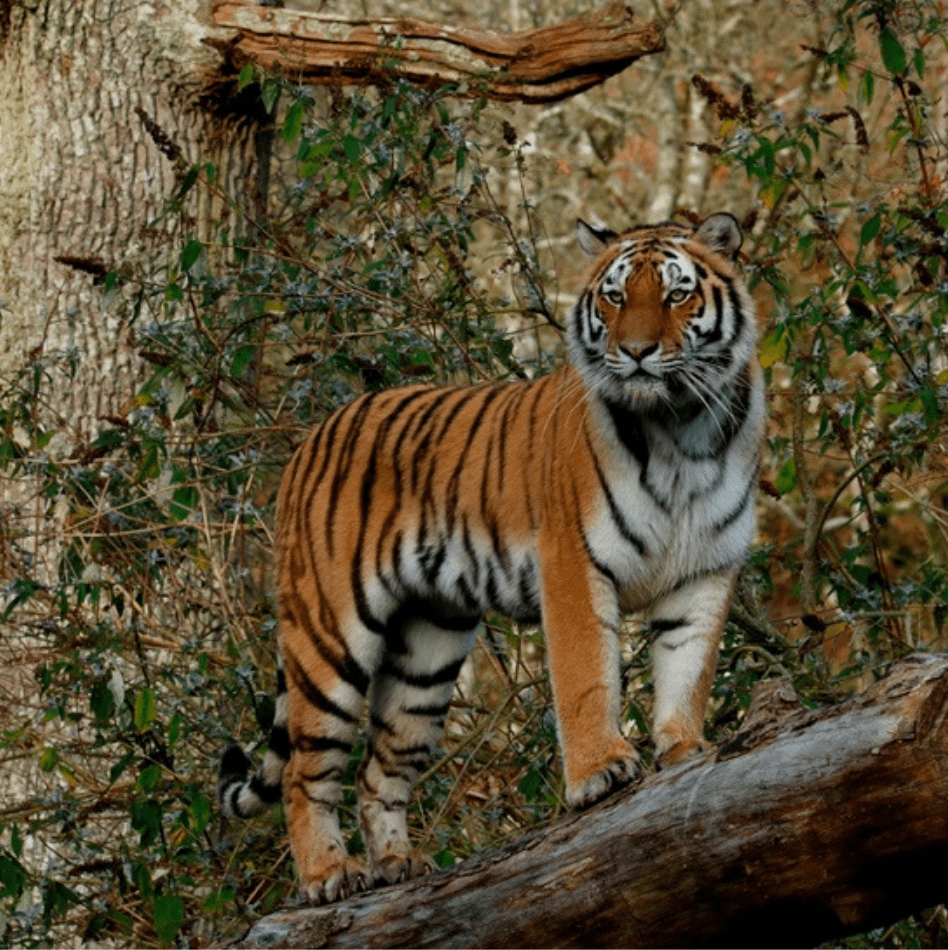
(678, 296)
(614, 297)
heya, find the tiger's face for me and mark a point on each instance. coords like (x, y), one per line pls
(662, 320)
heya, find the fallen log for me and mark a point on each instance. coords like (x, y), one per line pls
(801, 828)
(541, 65)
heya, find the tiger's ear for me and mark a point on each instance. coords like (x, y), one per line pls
(593, 240)
(721, 233)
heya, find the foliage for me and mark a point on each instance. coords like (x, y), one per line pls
(135, 560)
(144, 599)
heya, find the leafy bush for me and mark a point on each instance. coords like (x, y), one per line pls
(143, 600)
(854, 251)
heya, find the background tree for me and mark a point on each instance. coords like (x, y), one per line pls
(157, 389)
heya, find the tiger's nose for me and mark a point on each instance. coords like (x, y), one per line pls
(639, 351)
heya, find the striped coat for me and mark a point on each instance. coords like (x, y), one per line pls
(624, 481)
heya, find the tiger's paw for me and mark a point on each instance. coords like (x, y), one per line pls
(679, 751)
(337, 881)
(621, 771)
(395, 868)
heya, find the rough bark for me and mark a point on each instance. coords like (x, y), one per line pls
(541, 65)
(82, 182)
(801, 828)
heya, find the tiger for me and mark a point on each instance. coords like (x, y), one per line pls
(624, 481)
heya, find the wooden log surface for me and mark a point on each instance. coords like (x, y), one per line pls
(802, 827)
(541, 65)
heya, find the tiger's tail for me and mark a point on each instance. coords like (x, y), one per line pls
(242, 795)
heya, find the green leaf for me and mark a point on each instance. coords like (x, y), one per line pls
(929, 404)
(169, 917)
(242, 359)
(893, 53)
(867, 87)
(49, 759)
(918, 60)
(187, 183)
(269, 94)
(102, 701)
(150, 467)
(530, 784)
(774, 348)
(183, 502)
(190, 254)
(13, 876)
(116, 771)
(786, 480)
(217, 901)
(146, 820)
(109, 439)
(174, 729)
(200, 811)
(293, 123)
(145, 710)
(352, 147)
(870, 229)
(148, 778)
(246, 77)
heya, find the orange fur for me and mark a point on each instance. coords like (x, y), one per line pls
(621, 481)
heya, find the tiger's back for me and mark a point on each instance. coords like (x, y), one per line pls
(622, 481)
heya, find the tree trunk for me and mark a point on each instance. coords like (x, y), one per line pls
(82, 181)
(540, 65)
(803, 827)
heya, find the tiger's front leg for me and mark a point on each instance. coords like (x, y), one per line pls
(580, 620)
(686, 626)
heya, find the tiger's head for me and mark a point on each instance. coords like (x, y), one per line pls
(664, 320)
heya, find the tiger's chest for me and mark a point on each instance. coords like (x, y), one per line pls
(674, 504)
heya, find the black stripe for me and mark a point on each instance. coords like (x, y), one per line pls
(660, 625)
(716, 333)
(441, 677)
(344, 458)
(597, 564)
(232, 795)
(397, 474)
(308, 744)
(430, 710)
(630, 431)
(346, 667)
(278, 742)
(265, 792)
(471, 552)
(738, 409)
(401, 752)
(618, 517)
(314, 695)
(423, 451)
(309, 486)
(368, 619)
(333, 773)
(739, 316)
(724, 523)
(453, 491)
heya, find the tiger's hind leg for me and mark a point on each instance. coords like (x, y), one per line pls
(326, 693)
(409, 704)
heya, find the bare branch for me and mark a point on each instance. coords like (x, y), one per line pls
(542, 65)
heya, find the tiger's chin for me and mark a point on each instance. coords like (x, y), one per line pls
(639, 395)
